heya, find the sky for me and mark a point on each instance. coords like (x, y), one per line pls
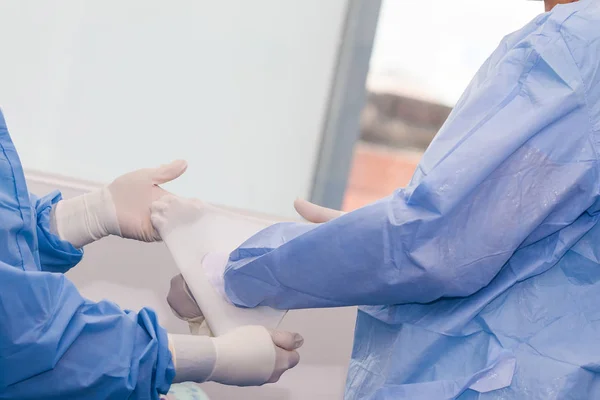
(430, 49)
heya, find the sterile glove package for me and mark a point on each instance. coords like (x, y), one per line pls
(200, 237)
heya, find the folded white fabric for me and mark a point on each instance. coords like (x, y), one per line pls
(197, 233)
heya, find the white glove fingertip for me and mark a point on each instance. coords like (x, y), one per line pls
(315, 213)
(285, 361)
(287, 340)
(294, 359)
(168, 172)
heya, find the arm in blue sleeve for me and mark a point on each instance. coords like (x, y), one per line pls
(515, 162)
(56, 255)
(54, 344)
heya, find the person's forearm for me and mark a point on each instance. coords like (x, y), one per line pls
(56, 255)
(65, 346)
(194, 357)
(84, 219)
(348, 261)
(392, 252)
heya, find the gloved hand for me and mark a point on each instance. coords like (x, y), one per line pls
(121, 208)
(246, 356)
(180, 298)
(314, 213)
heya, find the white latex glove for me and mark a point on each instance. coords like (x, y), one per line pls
(220, 232)
(180, 298)
(314, 213)
(246, 356)
(121, 208)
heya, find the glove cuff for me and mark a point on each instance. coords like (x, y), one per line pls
(243, 357)
(195, 357)
(85, 219)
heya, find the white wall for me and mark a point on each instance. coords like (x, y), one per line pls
(239, 88)
(136, 275)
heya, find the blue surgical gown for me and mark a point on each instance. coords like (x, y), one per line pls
(481, 278)
(55, 344)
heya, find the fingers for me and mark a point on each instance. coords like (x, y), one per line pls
(284, 360)
(287, 340)
(167, 173)
(286, 356)
(292, 359)
(314, 213)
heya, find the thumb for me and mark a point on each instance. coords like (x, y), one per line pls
(168, 172)
(314, 213)
(287, 340)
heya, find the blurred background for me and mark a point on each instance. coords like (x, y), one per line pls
(424, 55)
(268, 100)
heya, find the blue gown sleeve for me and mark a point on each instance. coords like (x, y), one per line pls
(54, 344)
(55, 254)
(514, 163)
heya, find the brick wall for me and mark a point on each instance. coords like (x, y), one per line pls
(376, 172)
(395, 131)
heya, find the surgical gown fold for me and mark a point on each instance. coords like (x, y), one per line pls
(55, 255)
(502, 174)
(54, 344)
(485, 267)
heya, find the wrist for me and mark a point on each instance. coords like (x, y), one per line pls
(194, 357)
(84, 219)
